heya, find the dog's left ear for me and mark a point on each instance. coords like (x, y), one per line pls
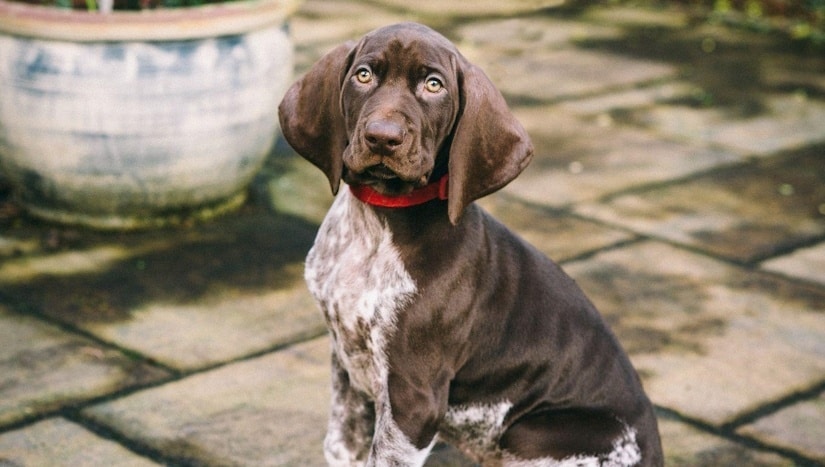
(489, 146)
(310, 114)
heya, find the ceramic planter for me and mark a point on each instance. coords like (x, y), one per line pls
(136, 119)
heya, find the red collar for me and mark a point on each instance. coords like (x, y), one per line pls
(435, 190)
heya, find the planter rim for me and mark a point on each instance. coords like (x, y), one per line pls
(211, 20)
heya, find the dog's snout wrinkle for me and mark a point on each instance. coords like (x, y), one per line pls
(384, 137)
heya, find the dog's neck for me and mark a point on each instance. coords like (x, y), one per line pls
(430, 192)
(418, 223)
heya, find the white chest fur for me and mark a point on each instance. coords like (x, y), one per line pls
(355, 273)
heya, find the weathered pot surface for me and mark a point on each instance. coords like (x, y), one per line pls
(134, 133)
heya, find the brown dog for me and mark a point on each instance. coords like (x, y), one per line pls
(444, 324)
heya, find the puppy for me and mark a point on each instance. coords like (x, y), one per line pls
(444, 324)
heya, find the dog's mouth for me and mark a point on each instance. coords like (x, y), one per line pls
(382, 179)
(381, 172)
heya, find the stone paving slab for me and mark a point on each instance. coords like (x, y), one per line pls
(685, 446)
(188, 299)
(788, 121)
(559, 236)
(711, 341)
(648, 18)
(515, 53)
(798, 427)
(805, 74)
(524, 35)
(577, 161)
(270, 410)
(606, 109)
(57, 442)
(805, 263)
(43, 368)
(193, 335)
(11, 246)
(566, 73)
(746, 213)
(291, 186)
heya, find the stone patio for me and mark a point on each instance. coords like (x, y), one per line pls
(679, 178)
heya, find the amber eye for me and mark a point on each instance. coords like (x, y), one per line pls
(363, 75)
(433, 84)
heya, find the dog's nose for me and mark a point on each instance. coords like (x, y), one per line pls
(384, 137)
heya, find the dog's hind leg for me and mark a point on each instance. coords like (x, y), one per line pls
(570, 437)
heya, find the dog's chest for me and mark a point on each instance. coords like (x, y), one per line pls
(355, 273)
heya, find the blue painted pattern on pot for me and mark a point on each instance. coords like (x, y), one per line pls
(125, 134)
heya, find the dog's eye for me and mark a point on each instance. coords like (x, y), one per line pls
(433, 84)
(363, 75)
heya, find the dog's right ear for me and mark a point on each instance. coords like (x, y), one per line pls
(489, 147)
(311, 117)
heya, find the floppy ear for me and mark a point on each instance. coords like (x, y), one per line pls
(489, 146)
(310, 114)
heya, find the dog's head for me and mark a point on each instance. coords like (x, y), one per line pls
(399, 108)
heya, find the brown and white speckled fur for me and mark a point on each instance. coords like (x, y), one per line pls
(357, 277)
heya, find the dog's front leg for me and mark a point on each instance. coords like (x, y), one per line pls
(390, 446)
(351, 422)
(407, 420)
